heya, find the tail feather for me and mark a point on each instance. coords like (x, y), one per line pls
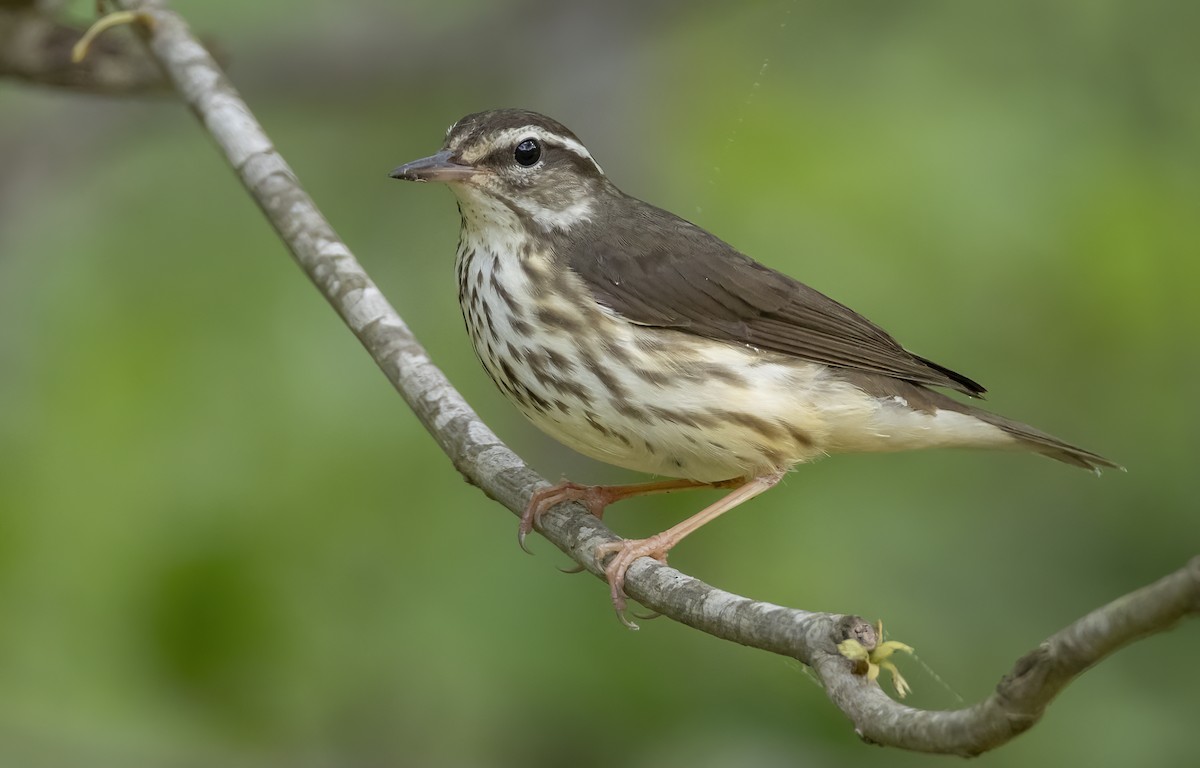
(1046, 444)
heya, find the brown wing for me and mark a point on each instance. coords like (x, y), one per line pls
(653, 268)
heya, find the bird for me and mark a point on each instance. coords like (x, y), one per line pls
(639, 339)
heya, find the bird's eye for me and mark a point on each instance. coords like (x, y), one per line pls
(527, 152)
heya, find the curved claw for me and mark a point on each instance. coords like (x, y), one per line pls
(619, 605)
(522, 532)
(539, 502)
(621, 618)
(575, 569)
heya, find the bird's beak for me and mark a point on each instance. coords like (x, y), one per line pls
(439, 167)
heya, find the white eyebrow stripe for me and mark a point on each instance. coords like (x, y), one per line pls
(512, 135)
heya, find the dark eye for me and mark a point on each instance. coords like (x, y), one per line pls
(527, 152)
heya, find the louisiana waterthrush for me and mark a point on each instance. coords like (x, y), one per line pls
(639, 339)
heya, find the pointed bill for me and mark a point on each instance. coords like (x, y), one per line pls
(439, 167)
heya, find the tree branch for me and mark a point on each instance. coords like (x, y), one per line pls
(486, 462)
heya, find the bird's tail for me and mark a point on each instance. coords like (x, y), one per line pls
(1045, 444)
(924, 399)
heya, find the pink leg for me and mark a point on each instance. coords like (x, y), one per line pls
(597, 497)
(657, 546)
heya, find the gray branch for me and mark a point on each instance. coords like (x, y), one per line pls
(484, 461)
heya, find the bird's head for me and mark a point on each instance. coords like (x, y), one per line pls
(513, 160)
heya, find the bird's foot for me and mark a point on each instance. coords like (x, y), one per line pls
(594, 497)
(625, 553)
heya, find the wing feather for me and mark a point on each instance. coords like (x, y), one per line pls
(656, 269)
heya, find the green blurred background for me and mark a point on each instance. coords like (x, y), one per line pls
(225, 541)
